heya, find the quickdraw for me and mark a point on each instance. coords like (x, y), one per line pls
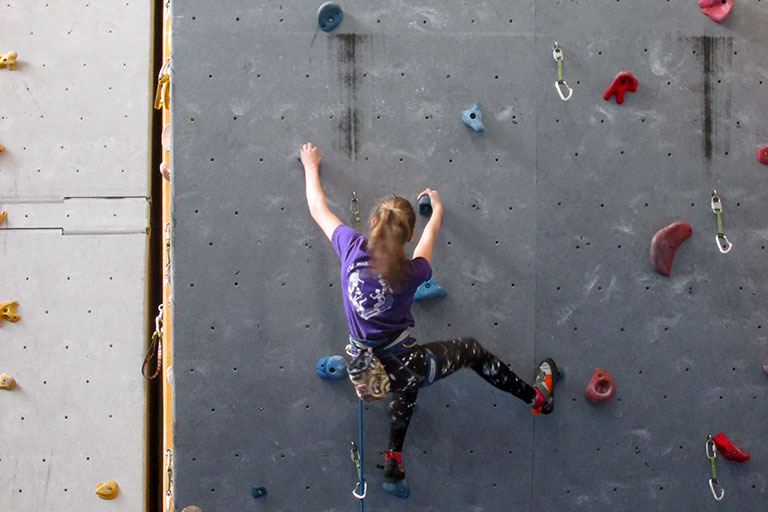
(155, 348)
(722, 241)
(169, 478)
(354, 207)
(167, 276)
(712, 455)
(557, 54)
(355, 456)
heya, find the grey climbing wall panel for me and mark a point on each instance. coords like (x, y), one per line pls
(543, 250)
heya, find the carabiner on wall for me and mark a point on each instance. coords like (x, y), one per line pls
(557, 54)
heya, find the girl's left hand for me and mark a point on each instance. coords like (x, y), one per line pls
(310, 157)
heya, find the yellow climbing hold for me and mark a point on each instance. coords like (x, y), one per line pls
(8, 311)
(192, 508)
(7, 382)
(107, 490)
(8, 59)
(3, 215)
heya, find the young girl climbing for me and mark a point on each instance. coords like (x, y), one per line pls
(378, 285)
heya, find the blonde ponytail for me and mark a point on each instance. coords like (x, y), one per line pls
(392, 223)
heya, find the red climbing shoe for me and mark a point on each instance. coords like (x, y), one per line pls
(394, 475)
(544, 385)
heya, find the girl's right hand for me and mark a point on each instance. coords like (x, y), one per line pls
(310, 157)
(434, 198)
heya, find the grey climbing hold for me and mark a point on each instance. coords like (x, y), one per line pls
(473, 118)
(429, 290)
(425, 206)
(329, 16)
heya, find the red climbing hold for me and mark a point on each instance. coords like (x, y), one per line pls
(600, 388)
(624, 81)
(762, 155)
(717, 10)
(665, 243)
(729, 450)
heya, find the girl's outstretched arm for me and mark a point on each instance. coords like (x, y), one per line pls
(427, 240)
(318, 208)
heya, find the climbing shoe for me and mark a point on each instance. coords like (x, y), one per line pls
(544, 385)
(394, 475)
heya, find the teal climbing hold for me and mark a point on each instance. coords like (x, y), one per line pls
(331, 368)
(429, 290)
(473, 118)
(258, 492)
(329, 16)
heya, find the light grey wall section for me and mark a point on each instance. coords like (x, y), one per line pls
(74, 181)
(543, 248)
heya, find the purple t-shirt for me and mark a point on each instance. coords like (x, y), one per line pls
(374, 310)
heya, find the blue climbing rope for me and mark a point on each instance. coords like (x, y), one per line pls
(360, 436)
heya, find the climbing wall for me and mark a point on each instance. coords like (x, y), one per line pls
(74, 124)
(549, 215)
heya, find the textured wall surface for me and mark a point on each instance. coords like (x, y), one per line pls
(74, 182)
(543, 250)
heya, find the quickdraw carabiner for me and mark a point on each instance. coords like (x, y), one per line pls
(557, 54)
(712, 455)
(723, 244)
(354, 207)
(354, 454)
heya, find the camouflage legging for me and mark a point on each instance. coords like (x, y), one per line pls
(407, 370)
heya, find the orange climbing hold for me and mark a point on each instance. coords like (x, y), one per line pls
(8, 311)
(107, 490)
(7, 382)
(8, 60)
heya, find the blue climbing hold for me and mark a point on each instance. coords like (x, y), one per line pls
(425, 206)
(429, 290)
(401, 489)
(329, 16)
(258, 492)
(331, 368)
(473, 118)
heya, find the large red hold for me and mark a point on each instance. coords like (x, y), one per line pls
(624, 81)
(762, 155)
(729, 450)
(600, 388)
(665, 243)
(717, 10)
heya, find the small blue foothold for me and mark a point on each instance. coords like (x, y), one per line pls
(258, 492)
(401, 489)
(298, 157)
(425, 206)
(473, 118)
(429, 290)
(331, 368)
(329, 16)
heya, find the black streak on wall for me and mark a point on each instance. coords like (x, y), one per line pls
(347, 50)
(716, 54)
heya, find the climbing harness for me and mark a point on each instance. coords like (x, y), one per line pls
(557, 54)
(354, 207)
(722, 241)
(367, 374)
(169, 478)
(354, 454)
(155, 348)
(712, 455)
